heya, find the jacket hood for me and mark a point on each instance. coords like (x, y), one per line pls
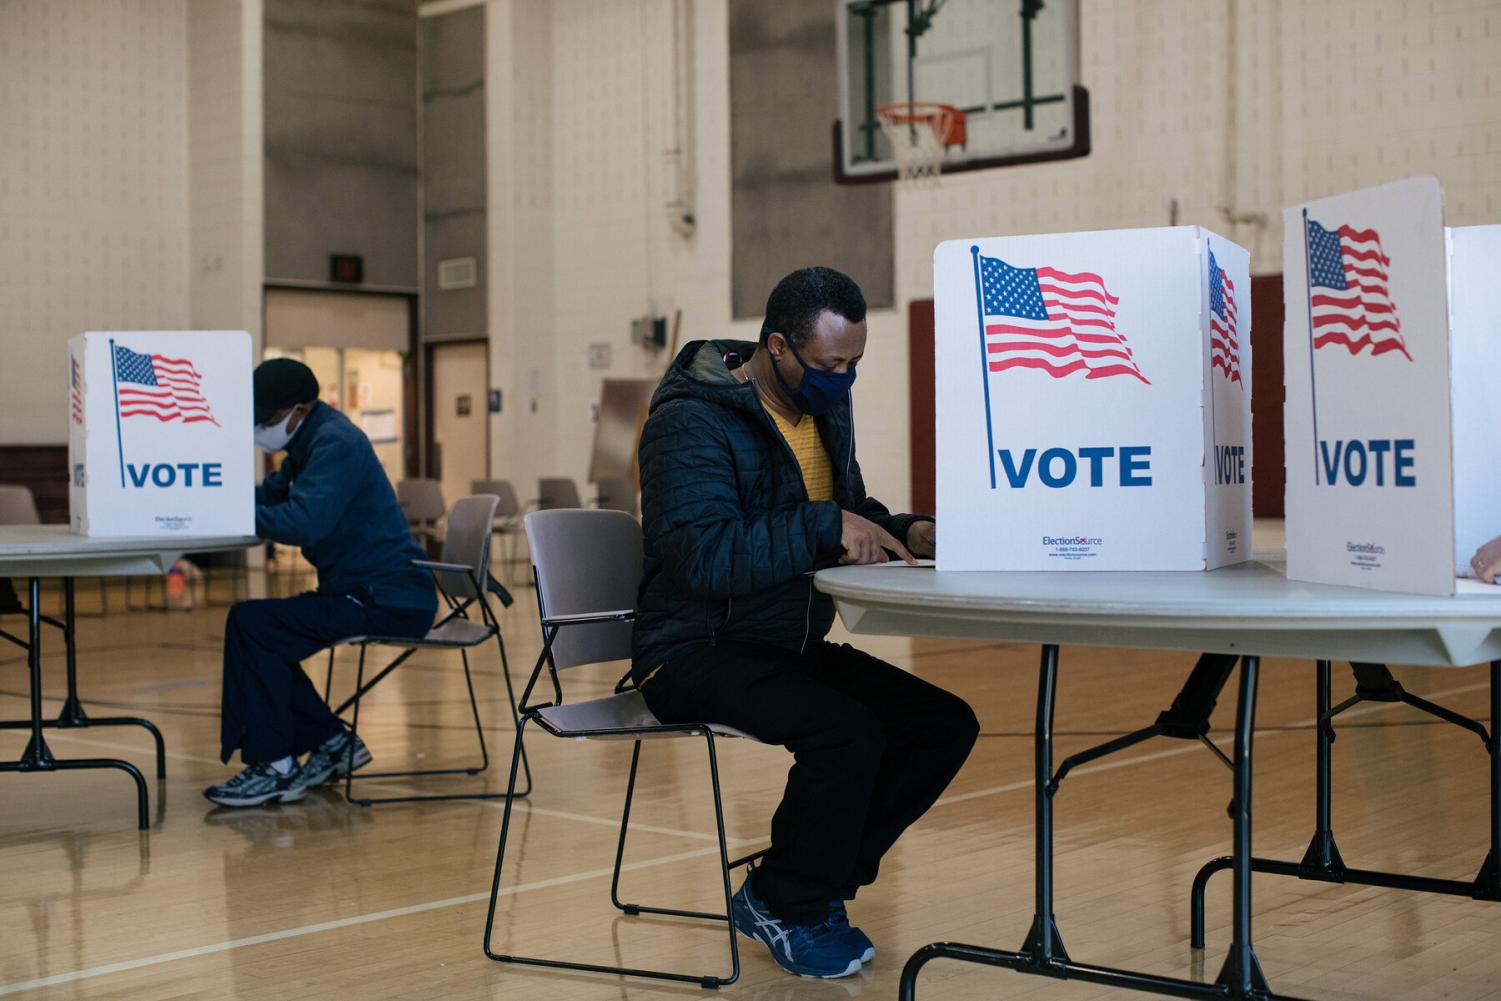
(700, 371)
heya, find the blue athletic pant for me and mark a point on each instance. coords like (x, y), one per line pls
(270, 708)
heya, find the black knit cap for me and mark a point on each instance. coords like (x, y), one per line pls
(280, 383)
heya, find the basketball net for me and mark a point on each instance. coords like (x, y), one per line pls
(919, 133)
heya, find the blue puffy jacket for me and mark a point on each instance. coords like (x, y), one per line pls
(331, 497)
(731, 538)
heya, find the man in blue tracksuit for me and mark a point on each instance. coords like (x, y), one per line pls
(332, 498)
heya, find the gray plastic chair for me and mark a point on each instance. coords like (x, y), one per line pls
(462, 577)
(18, 506)
(422, 502)
(554, 492)
(507, 522)
(588, 567)
(616, 493)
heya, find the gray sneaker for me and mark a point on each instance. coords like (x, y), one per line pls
(258, 784)
(325, 763)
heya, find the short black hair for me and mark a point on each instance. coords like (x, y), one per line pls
(798, 300)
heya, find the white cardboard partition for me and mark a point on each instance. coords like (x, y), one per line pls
(160, 428)
(1370, 486)
(1093, 401)
(1475, 362)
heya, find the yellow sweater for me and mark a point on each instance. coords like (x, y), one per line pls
(807, 446)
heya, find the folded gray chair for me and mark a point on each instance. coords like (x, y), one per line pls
(464, 581)
(616, 493)
(421, 501)
(588, 565)
(507, 522)
(554, 492)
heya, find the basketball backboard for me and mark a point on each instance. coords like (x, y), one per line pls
(990, 83)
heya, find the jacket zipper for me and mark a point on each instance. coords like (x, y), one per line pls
(849, 455)
(807, 619)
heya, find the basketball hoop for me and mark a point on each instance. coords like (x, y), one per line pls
(920, 132)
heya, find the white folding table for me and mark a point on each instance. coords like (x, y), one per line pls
(1249, 610)
(37, 551)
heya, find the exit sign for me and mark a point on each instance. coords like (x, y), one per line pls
(346, 268)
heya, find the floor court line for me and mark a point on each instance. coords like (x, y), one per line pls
(1228, 738)
(541, 811)
(323, 926)
(298, 932)
(1366, 710)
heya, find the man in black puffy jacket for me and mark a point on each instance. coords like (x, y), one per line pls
(749, 484)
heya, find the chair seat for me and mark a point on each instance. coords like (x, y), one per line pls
(453, 633)
(616, 717)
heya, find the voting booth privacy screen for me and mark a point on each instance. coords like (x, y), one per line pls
(1093, 401)
(1475, 362)
(1370, 485)
(159, 433)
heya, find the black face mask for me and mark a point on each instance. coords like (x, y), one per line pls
(820, 390)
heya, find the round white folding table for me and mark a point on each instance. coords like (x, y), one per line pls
(37, 551)
(1249, 610)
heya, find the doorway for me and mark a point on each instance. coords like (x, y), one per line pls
(459, 450)
(358, 345)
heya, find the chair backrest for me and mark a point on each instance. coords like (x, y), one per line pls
(509, 506)
(421, 500)
(467, 541)
(586, 561)
(616, 494)
(18, 506)
(557, 492)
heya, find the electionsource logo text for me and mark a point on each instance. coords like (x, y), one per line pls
(1365, 547)
(1072, 540)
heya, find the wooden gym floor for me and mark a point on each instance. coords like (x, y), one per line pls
(319, 899)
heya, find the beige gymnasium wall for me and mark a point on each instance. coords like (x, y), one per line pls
(1232, 109)
(129, 188)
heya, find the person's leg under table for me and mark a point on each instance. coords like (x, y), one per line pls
(837, 746)
(270, 709)
(1043, 952)
(927, 735)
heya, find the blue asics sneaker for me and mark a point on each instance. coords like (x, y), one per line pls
(813, 950)
(858, 941)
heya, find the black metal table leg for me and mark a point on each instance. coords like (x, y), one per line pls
(73, 715)
(1488, 883)
(1242, 970)
(37, 757)
(1043, 954)
(1322, 861)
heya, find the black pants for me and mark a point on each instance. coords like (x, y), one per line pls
(873, 748)
(270, 708)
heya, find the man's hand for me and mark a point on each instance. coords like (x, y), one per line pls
(922, 538)
(1487, 561)
(864, 541)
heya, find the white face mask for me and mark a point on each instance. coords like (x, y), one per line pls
(274, 437)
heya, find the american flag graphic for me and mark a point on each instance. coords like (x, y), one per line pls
(157, 386)
(1224, 347)
(75, 394)
(1051, 320)
(1348, 296)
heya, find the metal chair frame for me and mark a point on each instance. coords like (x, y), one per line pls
(531, 713)
(458, 609)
